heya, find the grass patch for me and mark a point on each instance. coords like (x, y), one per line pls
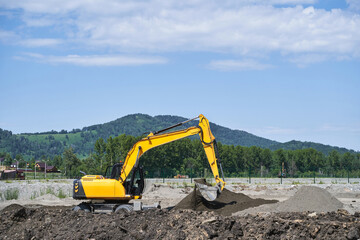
(321, 182)
(34, 195)
(8, 181)
(61, 194)
(355, 182)
(12, 193)
(49, 191)
(295, 182)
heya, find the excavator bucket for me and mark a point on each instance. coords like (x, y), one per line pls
(210, 193)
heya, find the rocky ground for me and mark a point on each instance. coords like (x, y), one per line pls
(245, 211)
(19, 222)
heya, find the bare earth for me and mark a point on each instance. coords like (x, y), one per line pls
(262, 209)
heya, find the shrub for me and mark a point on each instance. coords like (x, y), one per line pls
(50, 191)
(12, 193)
(61, 194)
(34, 195)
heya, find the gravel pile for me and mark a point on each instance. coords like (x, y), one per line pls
(307, 198)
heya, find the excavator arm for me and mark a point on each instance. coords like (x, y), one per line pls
(159, 138)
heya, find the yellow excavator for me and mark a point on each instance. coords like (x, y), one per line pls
(125, 181)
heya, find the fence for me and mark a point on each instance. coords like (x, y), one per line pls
(165, 173)
(41, 175)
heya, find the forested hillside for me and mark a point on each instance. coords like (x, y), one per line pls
(295, 145)
(52, 143)
(187, 157)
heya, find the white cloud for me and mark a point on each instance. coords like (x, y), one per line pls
(354, 4)
(40, 42)
(115, 6)
(306, 59)
(7, 36)
(94, 60)
(245, 28)
(354, 129)
(238, 65)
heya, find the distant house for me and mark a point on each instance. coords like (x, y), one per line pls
(12, 174)
(41, 167)
(2, 161)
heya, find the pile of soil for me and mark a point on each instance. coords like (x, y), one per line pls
(307, 198)
(225, 204)
(17, 222)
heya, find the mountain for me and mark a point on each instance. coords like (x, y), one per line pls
(82, 141)
(138, 124)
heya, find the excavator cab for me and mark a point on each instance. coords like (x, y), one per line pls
(133, 185)
(113, 172)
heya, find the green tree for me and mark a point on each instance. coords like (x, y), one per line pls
(280, 157)
(20, 160)
(100, 149)
(265, 161)
(229, 159)
(57, 161)
(239, 158)
(90, 166)
(72, 162)
(347, 161)
(292, 168)
(314, 160)
(356, 165)
(8, 160)
(110, 154)
(334, 159)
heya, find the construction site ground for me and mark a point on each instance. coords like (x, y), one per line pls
(264, 208)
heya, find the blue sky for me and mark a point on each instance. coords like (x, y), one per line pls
(280, 69)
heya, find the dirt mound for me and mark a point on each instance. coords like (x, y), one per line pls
(307, 198)
(57, 223)
(227, 203)
(12, 207)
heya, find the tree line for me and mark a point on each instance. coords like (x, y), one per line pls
(187, 157)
